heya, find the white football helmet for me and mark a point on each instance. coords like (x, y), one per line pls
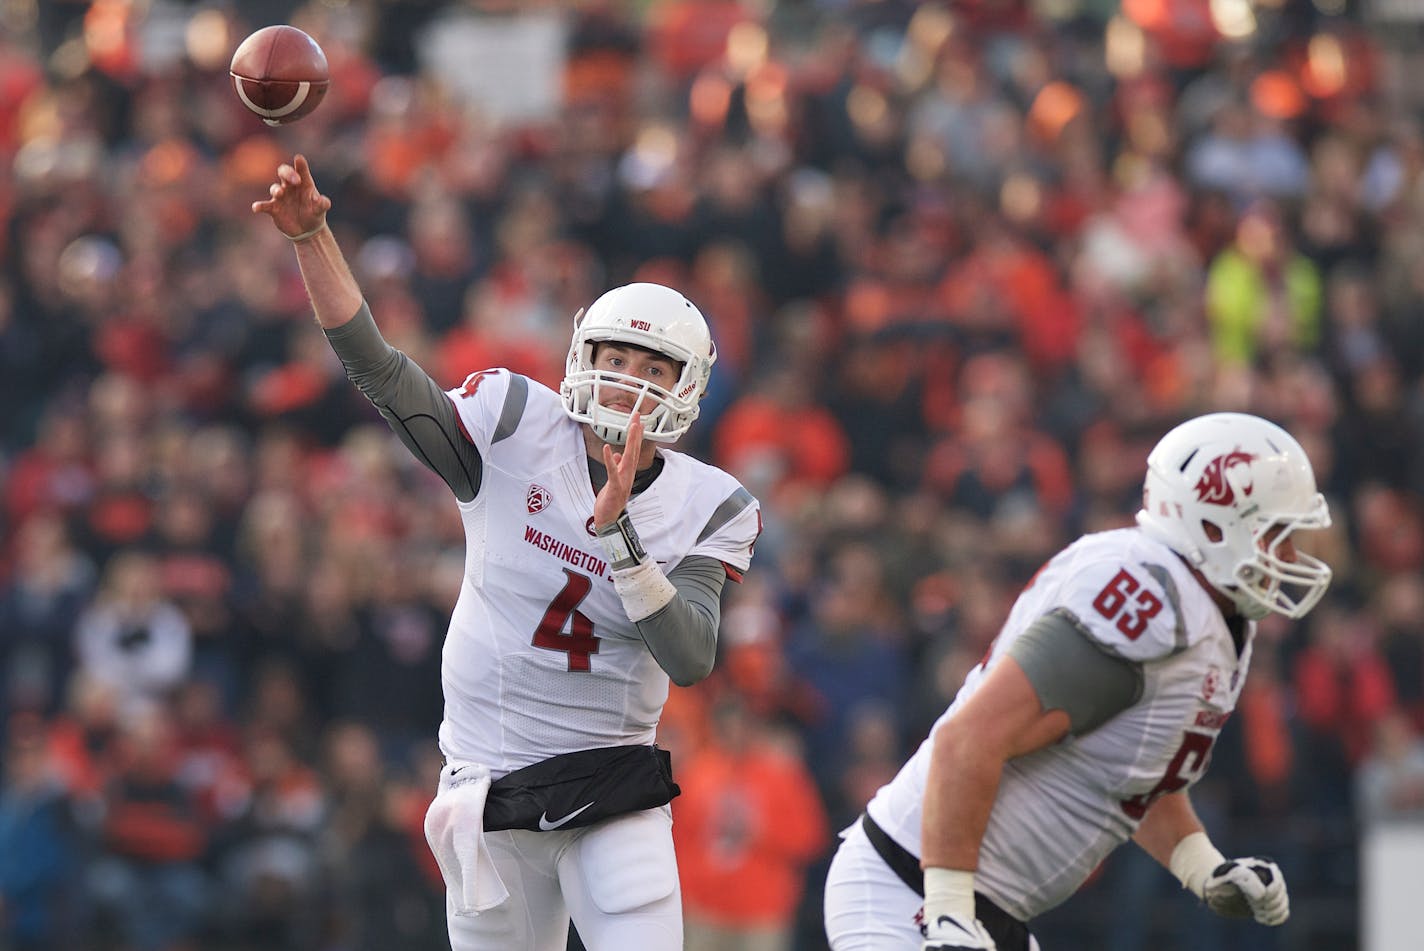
(653, 317)
(1216, 487)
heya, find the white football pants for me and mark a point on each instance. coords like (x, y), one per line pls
(617, 880)
(867, 907)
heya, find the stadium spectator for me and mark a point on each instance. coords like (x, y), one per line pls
(39, 844)
(1391, 779)
(49, 584)
(1342, 685)
(1261, 294)
(146, 883)
(747, 824)
(132, 638)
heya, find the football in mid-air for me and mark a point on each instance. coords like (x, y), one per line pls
(280, 74)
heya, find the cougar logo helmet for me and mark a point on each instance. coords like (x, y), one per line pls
(656, 318)
(1225, 491)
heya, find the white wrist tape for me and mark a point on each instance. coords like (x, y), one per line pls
(645, 590)
(1193, 860)
(949, 891)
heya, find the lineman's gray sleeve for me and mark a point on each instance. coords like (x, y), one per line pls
(417, 409)
(682, 635)
(1072, 673)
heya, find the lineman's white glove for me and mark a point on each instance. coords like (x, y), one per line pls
(1248, 888)
(1235, 888)
(949, 922)
(946, 933)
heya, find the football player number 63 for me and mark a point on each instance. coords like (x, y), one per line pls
(579, 641)
(1124, 599)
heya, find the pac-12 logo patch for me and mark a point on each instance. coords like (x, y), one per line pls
(537, 499)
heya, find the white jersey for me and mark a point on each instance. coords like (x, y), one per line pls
(1061, 810)
(541, 658)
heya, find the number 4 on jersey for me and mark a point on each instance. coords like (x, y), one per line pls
(579, 641)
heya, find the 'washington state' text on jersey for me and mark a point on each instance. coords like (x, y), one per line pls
(1061, 810)
(541, 658)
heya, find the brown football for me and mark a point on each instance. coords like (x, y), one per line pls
(280, 74)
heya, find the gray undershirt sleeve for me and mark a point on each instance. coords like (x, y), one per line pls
(682, 635)
(1072, 673)
(412, 403)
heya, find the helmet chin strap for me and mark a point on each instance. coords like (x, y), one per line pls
(610, 426)
(614, 436)
(1252, 609)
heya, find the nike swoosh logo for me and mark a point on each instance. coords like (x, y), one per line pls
(549, 825)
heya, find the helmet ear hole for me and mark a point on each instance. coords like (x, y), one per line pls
(1212, 531)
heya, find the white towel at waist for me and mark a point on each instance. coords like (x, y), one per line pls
(455, 829)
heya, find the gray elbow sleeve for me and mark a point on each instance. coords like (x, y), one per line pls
(410, 401)
(682, 635)
(1070, 672)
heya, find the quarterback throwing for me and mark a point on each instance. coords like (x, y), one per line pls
(595, 560)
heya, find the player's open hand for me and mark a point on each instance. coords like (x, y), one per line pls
(622, 469)
(297, 208)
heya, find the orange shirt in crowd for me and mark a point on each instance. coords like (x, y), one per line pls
(803, 444)
(745, 828)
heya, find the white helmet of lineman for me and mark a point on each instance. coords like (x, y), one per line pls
(656, 318)
(1216, 487)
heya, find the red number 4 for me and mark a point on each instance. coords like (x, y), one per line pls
(1132, 605)
(579, 642)
(473, 381)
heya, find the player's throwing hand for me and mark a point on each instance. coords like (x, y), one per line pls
(622, 466)
(296, 207)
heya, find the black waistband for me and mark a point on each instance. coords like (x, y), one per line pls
(901, 862)
(580, 788)
(1008, 932)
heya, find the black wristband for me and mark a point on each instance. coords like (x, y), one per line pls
(620, 541)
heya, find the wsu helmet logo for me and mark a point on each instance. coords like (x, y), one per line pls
(1213, 487)
(537, 499)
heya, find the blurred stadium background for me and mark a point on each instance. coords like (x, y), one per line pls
(965, 262)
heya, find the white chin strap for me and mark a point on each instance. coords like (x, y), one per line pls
(615, 434)
(1252, 609)
(611, 425)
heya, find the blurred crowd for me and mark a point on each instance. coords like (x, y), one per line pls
(964, 261)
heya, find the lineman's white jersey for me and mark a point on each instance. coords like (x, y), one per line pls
(1061, 810)
(541, 658)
